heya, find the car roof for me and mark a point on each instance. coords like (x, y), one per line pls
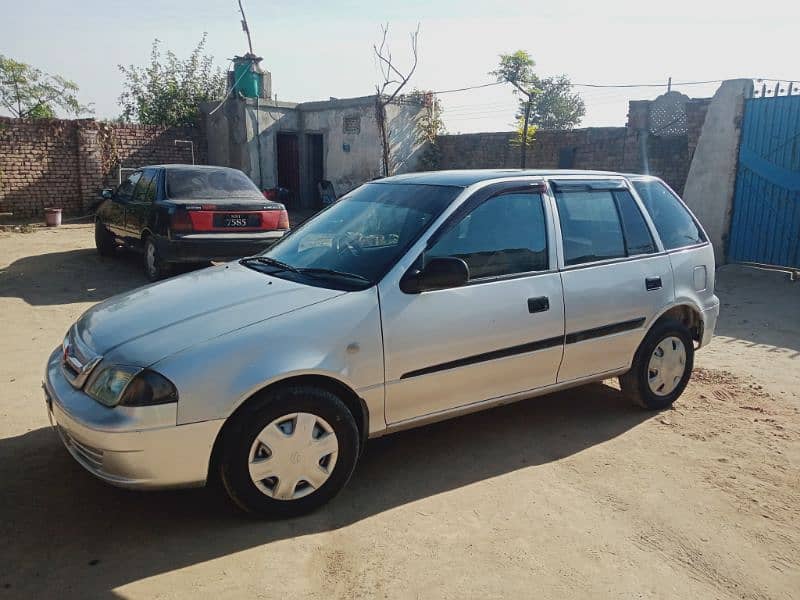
(467, 177)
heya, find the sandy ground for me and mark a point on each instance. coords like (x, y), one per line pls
(573, 495)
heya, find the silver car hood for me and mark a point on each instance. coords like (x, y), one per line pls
(147, 324)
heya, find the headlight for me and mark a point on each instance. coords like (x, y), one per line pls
(131, 386)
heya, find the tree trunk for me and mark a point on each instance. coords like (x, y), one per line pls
(525, 133)
(380, 109)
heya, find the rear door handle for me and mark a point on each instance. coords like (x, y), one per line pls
(652, 283)
(540, 304)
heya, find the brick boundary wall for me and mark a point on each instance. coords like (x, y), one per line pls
(66, 163)
(601, 148)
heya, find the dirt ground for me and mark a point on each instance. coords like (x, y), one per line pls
(573, 495)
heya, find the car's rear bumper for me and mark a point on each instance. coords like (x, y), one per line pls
(196, 247)
(127, 447)
(710, 316)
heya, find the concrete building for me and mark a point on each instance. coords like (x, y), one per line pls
(294, 146)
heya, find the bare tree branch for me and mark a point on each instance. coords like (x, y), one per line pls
(387, 66)
(392, 77)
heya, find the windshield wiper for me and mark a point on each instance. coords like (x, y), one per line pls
(312, 271)
(266, 260)
(320, 271)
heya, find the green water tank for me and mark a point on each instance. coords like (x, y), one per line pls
(247, 76)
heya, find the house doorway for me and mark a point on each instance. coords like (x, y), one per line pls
(289, 167)
(314, 160)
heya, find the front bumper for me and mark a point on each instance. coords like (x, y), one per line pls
(128, 447)
(710, 316)
(197, 247)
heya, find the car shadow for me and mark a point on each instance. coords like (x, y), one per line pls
(70, 276)
(74, 276)
(61, 526)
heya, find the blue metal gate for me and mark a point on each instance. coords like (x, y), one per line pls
(765, 226)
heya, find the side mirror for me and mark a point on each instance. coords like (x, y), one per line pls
(107, 194)
(438, 274)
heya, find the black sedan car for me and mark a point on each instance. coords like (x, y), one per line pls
(187, 214)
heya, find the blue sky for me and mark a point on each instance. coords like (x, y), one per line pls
(320, 49)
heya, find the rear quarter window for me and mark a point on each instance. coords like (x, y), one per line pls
(675, 225)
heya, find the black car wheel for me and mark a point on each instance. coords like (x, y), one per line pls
(103, 240)
(154, 267)
(662, 366)
(289, 451)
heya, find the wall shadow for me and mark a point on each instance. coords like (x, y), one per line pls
(63, 530)
(758, 306)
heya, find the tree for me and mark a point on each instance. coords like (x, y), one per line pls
(27, 92)
(169, 90)
(545, 103)
(555, 105)
(393, 80)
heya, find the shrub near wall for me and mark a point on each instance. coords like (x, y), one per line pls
(66, 163)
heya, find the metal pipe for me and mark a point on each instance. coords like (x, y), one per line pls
(191, 144)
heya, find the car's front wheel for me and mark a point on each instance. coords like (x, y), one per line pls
(289, 451)
(662, 366)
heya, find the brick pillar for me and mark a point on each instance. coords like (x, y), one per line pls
(90, 163)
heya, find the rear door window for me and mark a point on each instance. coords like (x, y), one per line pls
(674, 223)
(140, 192)
(601, 225)
(590, 226)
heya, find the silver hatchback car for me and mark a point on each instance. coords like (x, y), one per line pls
(412, 299)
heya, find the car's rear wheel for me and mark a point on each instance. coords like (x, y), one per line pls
(103, 240)
(289, 451)
(662, 366)
(154, 267)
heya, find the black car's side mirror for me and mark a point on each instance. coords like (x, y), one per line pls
(438, 274)
(107, 194)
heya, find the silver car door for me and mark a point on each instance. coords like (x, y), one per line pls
(499, 334)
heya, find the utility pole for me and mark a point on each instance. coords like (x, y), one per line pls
(669, 85)
(245, 28)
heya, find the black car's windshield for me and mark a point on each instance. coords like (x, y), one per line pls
(361, 236)
(199, 184)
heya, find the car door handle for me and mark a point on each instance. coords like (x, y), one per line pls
(540, 304)
(652, 283)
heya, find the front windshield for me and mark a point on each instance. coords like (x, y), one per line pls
(365, 232)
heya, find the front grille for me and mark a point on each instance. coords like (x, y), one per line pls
(93, 457)
(77, 359)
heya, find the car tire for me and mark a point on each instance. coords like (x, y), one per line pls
(154, 267)
(103, 240)
(661, 367)
(272, 436)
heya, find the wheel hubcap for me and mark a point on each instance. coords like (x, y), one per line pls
(151, 258)
(667, 366)
(293, 456)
